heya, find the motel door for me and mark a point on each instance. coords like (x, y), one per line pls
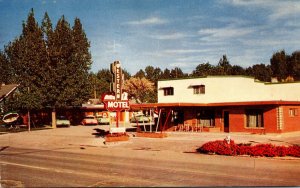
(226, 121)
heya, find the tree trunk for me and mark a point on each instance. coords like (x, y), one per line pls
(54, 119)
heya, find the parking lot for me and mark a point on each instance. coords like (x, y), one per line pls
(78, 136)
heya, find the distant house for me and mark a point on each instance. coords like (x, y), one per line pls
(228, 104)
(5, 92)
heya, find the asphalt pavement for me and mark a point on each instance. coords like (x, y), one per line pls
(87, 136)
(83, 154)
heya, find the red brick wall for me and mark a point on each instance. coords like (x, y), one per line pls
(236, 120)
(270, 120)
(291, 123)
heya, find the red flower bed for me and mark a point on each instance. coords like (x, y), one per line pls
(114, 137)
(223, 147)
(117, 134)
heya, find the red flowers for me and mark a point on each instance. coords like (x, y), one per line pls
(222, 147)
(117, 135)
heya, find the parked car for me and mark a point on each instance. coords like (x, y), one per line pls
(89, 120)
(62, 121)
(103, 119)
(140, 118)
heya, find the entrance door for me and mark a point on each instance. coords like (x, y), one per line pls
(226, 121)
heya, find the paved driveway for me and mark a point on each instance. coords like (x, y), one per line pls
(171, 160)
(85, 136)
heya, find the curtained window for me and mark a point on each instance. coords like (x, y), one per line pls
(199, 89)
(254, 118)
(168, 91)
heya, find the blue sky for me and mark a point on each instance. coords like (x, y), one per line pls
(169, 33)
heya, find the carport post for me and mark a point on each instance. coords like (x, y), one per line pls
(117, 118)
(158, 120)
(53, 118)
(28, 114)
(166, 121)
(151, 118)
(144, 126)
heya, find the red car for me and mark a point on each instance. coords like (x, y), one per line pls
(89, 120)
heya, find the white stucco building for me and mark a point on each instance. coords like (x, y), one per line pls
(227, 104)
(220, 89)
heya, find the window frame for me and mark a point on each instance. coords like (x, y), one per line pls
(199, 89)
(254, 119)
(168, 91)
(293, 112)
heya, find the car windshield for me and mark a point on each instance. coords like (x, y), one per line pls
(62, 118)
(89, 117)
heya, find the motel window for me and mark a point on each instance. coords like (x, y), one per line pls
(254, 118)
(293, 112)
(168, 91)
(206, 118)
(199, 89)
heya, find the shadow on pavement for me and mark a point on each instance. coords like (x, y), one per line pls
(100, 133)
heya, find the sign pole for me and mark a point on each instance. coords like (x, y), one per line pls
(117, 118)
(116, 100)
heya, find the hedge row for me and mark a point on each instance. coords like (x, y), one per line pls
(222, 147)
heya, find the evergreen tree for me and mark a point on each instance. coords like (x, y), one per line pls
(177, 73)
(104, 78)
(203, 69)
(47, 30)
(27, 56)
(260, 72)
(294, 65)
(6, 71)
(140, 74)
(149, 73)
(166, 74)
(80, 66)
(237, 70)
(224, 67)
(279, 65)
(126, 74)
(69, 61)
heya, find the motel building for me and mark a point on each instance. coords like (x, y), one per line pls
(226, 104)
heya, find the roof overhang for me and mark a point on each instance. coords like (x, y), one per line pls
(92, 106)
(165, 87)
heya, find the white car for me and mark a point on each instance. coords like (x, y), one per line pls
(89, 120)
(62, 121)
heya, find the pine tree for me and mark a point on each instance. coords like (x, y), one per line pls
(27, 56)
(279, 65)
(224, 66)
(80, 65)
(5, 70)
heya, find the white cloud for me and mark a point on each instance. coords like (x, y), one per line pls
(279, 9)
(171, 36)
(183, 51)
(148, 21)
(285, 9)
(179, 64)
(223, 33)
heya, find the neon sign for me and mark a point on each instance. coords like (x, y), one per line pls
(117, 100)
